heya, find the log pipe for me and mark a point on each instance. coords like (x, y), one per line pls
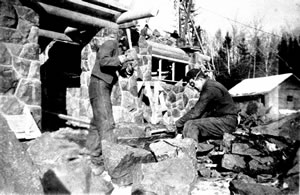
(78, 18)
(168, 51)
(56, 36)
(89, 9)
(136, 14)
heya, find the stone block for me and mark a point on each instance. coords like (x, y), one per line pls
(178, 89)
(166, 87)
(260, 165)
(5, 57)
(34, 71)
(129, 102)
(27, 14)
(233, 162)
(29, 92)
(174, 176)
(33, 34)
(227, 141)
(180, 105)
(15, 49)
(179, 96)
(8, 35)
(36, 112)
(9, 80)
(24, 27)
(240, 187)
(171, 97)
(8, 15)
(185, 100)
(10, 105)
(144, 60)
(244, 149)
(22, 66)
(30, 51)
(19, 175)
(121, 160)
(175, 113)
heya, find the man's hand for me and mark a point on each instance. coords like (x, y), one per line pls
(131, 55)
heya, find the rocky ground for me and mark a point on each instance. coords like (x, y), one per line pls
(242, 163)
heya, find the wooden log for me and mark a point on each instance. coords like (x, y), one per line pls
(85, 8)
(111, 4)
(76, 18)
(169, 52)
(136, 14)
(56, 36)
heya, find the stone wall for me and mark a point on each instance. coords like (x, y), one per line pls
(136, 99)
(19, 67)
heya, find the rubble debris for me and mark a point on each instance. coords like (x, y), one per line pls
(63, 168)
(240, 187)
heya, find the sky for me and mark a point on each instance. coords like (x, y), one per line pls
(273, 15)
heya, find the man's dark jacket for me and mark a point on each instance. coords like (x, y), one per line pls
(214, 101)
(107, 62)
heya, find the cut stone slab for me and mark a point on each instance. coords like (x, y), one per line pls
(23, 125)
(174, 176)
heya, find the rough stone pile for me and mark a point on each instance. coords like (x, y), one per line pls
(241, 163)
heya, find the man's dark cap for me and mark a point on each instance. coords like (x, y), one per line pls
(192, 74)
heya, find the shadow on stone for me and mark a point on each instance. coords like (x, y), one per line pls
(52, 185)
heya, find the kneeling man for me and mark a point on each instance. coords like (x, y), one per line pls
(214, 113)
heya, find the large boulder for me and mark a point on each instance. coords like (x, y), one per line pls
(121, 160)
(174, 176)
(18, 174)
(64, 169)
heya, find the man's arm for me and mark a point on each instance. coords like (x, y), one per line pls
(198, 110)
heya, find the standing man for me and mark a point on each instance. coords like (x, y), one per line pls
(110, 59)
(214, 113)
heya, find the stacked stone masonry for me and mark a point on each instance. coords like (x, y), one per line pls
(137, 99)
(20, 83)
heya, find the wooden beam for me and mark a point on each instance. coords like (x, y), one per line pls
(77, 18)
(136, 14)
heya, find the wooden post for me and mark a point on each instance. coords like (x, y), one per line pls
(159, 68)
(173, 71)
(128, 33)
